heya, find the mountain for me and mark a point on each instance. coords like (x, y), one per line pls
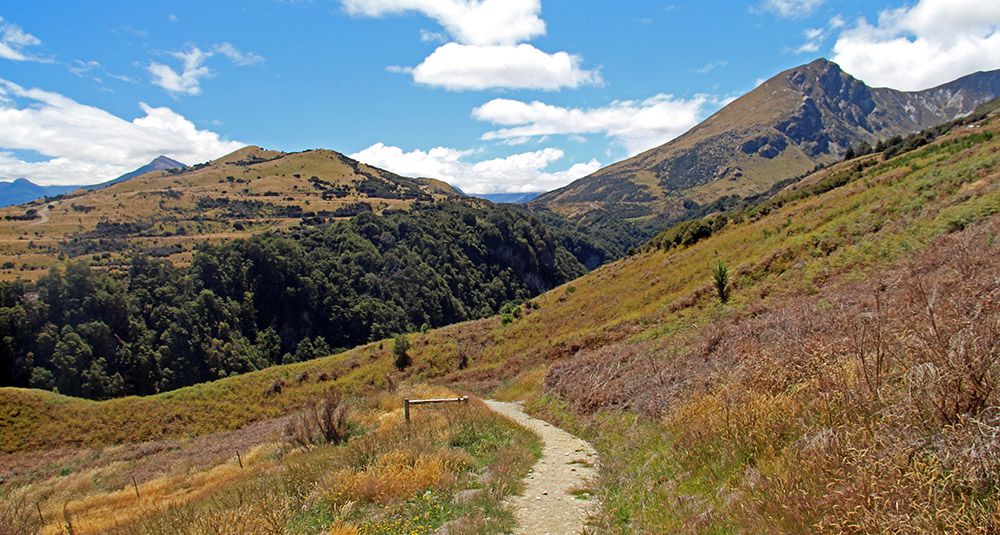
(849, 384)
(801, 118)
(508, 198)
(171, 213)
(160, 163)
(23, 190)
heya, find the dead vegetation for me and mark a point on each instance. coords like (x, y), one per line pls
(322, 422)
(335, 470)
(871, 406)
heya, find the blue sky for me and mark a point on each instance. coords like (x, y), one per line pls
(492, 95)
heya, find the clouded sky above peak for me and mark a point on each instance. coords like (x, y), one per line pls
(491, 95)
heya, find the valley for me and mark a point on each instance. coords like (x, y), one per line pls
(861, 331)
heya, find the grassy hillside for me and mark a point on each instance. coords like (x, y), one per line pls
(168, 213)
(844, 388)
(807, 116)
(450, 464)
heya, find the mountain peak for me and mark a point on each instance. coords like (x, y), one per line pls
(807, 115)
(166, 162)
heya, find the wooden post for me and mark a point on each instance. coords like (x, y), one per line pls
(238, 458)
(40, 518)
(407, 402)
(136, 487)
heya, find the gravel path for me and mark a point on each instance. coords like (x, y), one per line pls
(568, 465)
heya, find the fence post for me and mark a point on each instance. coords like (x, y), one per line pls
(406, 410)
(40, 518)
(136, 486)
(238, 458)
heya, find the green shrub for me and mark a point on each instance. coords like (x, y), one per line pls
(510, 312)
(720, 279)
(401, 348)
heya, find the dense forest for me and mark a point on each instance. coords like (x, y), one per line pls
(277, 298)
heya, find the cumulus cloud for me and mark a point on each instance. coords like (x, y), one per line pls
(920, 46)
(86, 145)
(14, 41)
(517, 173)
(473, 22)
(636, 125)
(187, 81)
(791, 9)
(459, 67)
(489, 48)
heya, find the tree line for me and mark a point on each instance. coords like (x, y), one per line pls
(278, 298)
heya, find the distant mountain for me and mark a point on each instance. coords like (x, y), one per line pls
(23, 190)
(507, 198)
(160, 163)
(247, 192)
(802, 117)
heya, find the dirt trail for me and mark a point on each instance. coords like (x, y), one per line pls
(43, 214)
(568, 464)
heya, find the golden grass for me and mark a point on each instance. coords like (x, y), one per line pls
(370, 481)
(396, 474)
(151, 198)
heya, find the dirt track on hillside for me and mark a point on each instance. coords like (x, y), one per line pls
(552, 502)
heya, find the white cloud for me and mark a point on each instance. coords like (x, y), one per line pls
(791, 9)
(86, 145)
(815, 37)
(236, 56)
(14, 41)
(709, 67)
(464, 67)
(473, 22)
(193, 68)
(924, 45)
(517, 173)
(636, 125)
(428, 36)
(489, 47)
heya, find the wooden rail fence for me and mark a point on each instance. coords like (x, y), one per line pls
(408, 402)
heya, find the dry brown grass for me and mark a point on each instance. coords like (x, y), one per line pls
(371, 480)
(322, 422)
(869, 407)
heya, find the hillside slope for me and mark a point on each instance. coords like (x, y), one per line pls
(160, 163)
(802, 117)
(844, 388)
(168, 212)
(22, 191)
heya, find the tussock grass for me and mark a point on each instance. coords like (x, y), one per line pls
(389, 476)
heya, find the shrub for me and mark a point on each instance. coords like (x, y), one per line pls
(720, 279)
(510, 312)
(401, 348)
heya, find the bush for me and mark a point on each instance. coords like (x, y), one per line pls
(401, 348)
(510, 312)
(720, 279)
